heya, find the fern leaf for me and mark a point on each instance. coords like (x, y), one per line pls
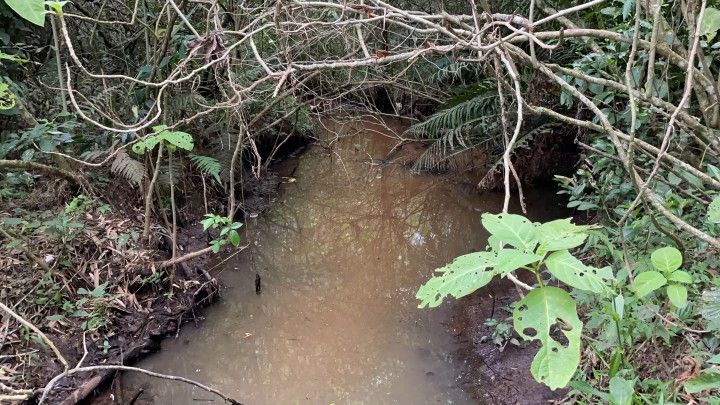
(127, 167)
(208, 166)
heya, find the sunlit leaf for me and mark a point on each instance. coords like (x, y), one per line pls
(546, 311)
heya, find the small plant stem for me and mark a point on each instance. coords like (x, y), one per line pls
(148, 196)
(58, 62)
(172, 204)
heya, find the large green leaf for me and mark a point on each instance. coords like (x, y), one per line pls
(647, 282)
(571, 271)
(714, 210)
(515, 230)
(710, 23)
(707, 380)
(710, 308)
(180, 139)
(621, 391)
(31, 10)
(560, 234)
(464, 275)
(677, 294)
(542, 313)
(666, 259)
(680, 277)
(512, 259)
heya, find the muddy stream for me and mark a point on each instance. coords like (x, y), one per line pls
(341, 254)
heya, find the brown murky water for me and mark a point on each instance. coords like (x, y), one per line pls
(341, 254)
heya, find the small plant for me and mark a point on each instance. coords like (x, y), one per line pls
(228, 231)
(667, 262)
(547, 314)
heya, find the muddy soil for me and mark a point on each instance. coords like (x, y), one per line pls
(495, 373)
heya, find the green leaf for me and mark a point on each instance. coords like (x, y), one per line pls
(511, 259)
(207, 223)
(677, 294)
(571, 271)
(546, 311)
(31, 10)
(707, 380)
(560, 234)
(146, 144)
(7, 98)
(180, 139)
(710, 305)
(234, 238)
(512, 229)
(666, 259)
(680, 276)
(710, 23)
(621, 391)
(714, 210)
(647, 282)
(464, 275)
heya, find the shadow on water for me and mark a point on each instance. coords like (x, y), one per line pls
(341, 254)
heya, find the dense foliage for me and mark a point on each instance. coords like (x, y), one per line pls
(115, 115)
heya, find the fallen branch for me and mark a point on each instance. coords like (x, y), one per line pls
(35, 329)
(191, 255)
(45, 169)
(48, 388)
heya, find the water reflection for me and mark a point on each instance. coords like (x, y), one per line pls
(341, 254)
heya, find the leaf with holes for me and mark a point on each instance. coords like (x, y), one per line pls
(31, 10)
(512, 259)
(714, 210)
(571, 271)
(647, 282)
(666, 259)
(179, 139)
(512, 229)
(560, 234)
(677, 294)
(464, 275)
(547, 314)
(146, 144)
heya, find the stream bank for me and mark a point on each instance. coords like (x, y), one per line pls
(341, 253)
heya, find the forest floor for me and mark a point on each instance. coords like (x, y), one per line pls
(89, 283)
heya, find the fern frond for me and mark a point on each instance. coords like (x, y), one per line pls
(129, 168)
(208, 166)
